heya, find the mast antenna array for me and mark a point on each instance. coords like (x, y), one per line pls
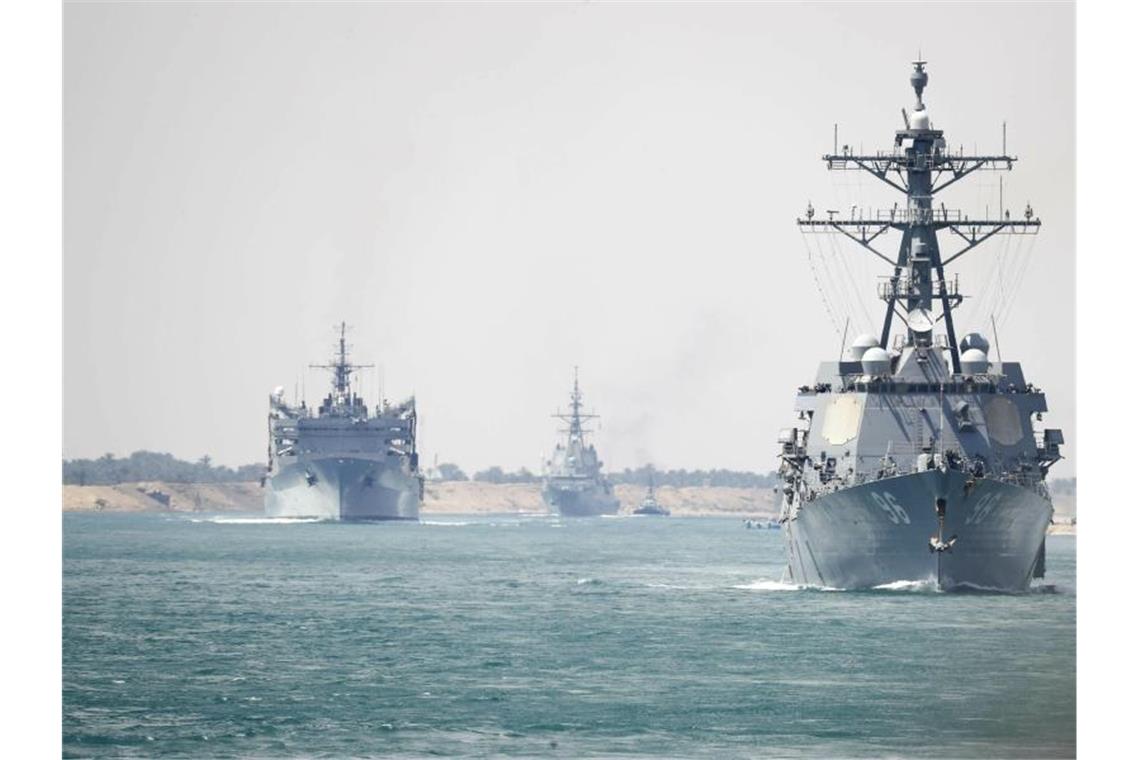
(575, 417)
(340, 366)
(920, 166)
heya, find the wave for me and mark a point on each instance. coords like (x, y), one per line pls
(1037, 588)
(924, 586)
(766, 585)
(496, 523)
(256, 520)
(928, 585)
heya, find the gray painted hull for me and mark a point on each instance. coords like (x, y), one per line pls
(574, 502)
(344, 488)
(878, 533)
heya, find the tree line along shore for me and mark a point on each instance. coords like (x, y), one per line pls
(145, 466)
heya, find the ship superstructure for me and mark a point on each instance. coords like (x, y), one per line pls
(573, 483)
(915, 456)
(343, 461)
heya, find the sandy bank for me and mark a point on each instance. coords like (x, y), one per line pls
(164, 497)
(466, 497)
(471, 497)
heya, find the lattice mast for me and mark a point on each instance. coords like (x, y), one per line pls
(574, 430)
(919, 166)
(341, 368)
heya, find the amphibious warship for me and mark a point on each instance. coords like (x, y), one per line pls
(915, 456)
(573, 483)
(649, 505)
(344, 462)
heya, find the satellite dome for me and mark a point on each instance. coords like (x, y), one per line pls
(920, 120)
(876, 362)
(861, 344)
(974, 362)
(975, 340)
(279, 392)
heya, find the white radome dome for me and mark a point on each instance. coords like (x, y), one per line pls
(861, 344)
(279, 392)
(920, 120)
(975, 340)
(876, 362)
(974, 362)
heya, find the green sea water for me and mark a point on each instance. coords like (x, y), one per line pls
(199, 636)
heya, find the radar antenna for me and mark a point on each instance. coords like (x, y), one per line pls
(576, 432)
(919, 166)
(341, 367)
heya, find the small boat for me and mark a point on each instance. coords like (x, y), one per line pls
(649, 505)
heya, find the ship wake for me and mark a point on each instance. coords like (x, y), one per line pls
(258, 520)
(770, 585)
(925, 586)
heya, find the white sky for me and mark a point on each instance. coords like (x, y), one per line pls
(493, 194)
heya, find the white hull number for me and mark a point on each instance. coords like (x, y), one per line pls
(983, 509)
(889, 504)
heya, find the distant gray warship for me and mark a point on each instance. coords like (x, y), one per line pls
(344, 463)
(573, 482)
(649, 505)
(917, 459)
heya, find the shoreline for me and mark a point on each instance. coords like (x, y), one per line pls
(440, 498)
(447, 498)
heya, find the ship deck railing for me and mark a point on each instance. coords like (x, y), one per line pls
(902, 288)
(956, 461)
(855, 382)
(937, 159)
(867, 219)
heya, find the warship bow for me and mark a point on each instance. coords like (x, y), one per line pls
(345, 462)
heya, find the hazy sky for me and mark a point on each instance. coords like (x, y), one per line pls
(493, 194)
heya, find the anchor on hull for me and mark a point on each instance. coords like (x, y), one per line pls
(936, 542)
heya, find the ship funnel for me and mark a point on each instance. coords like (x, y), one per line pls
(876, 362)
(861, 344)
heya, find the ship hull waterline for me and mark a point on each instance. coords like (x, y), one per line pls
(574, 502)
(343, 489)
(879, 533)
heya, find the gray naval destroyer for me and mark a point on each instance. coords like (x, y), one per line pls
(573, 483)
(344, 462)
(915, 457)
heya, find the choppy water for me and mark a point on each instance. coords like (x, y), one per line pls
(232, 637)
